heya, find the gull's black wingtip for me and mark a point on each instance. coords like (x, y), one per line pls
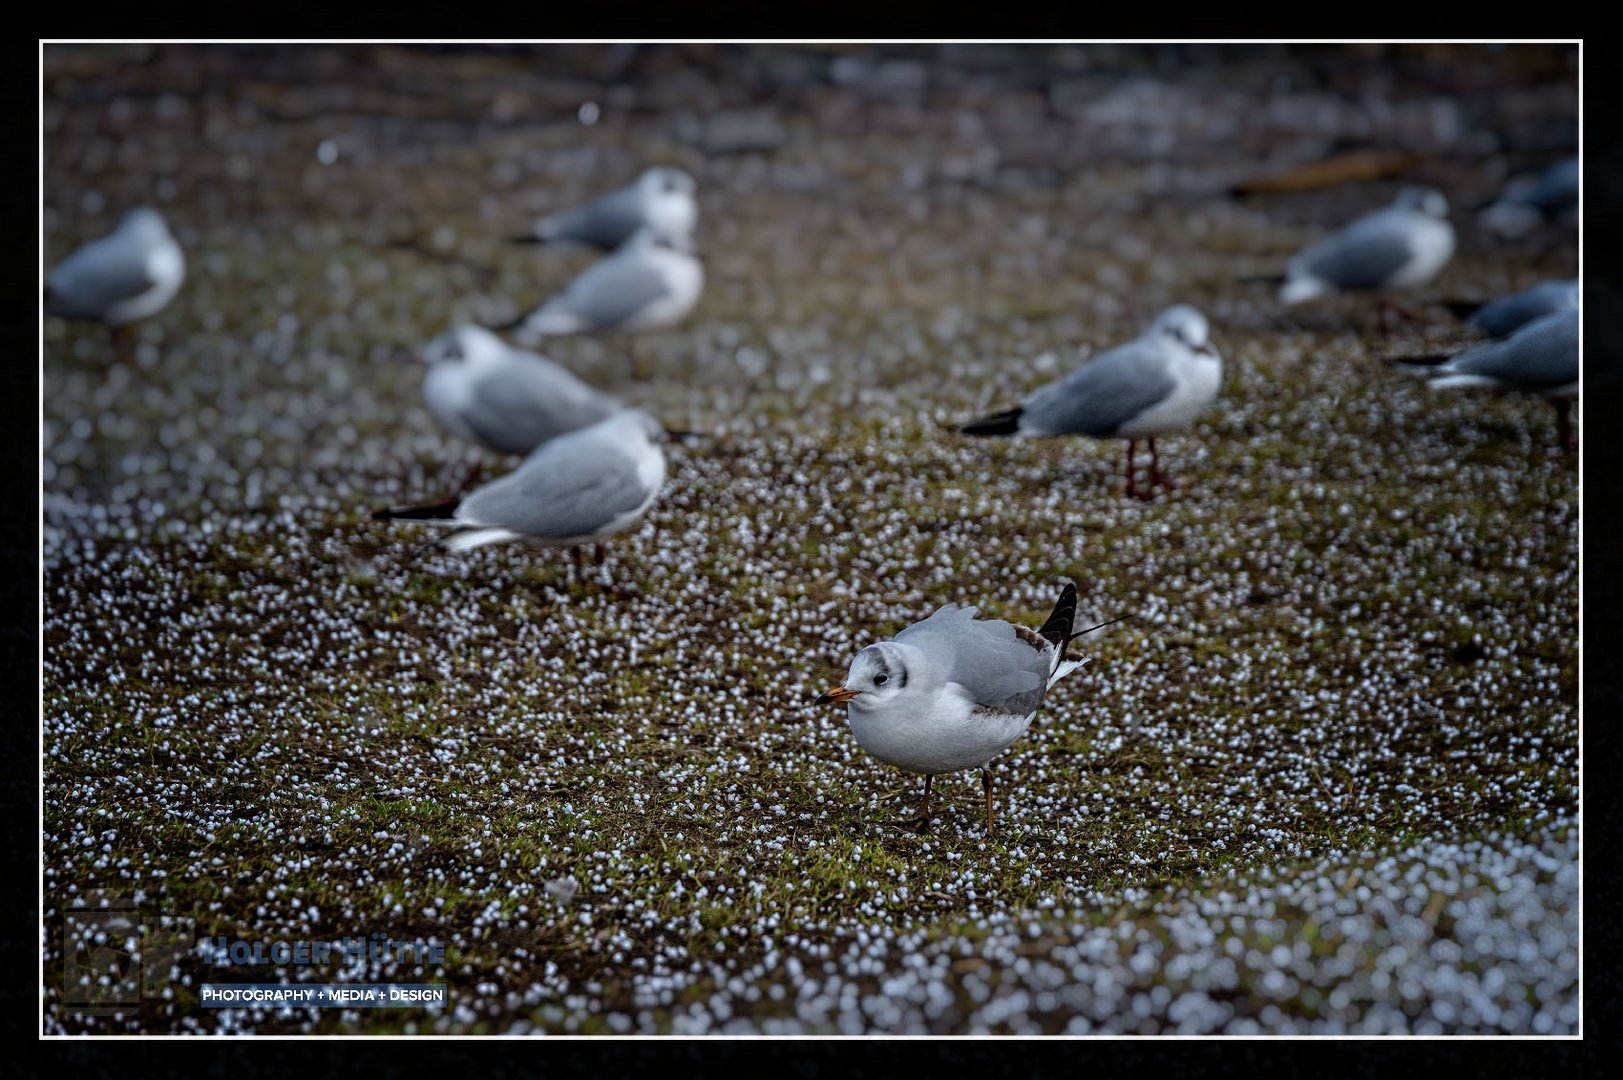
(1003, 423)
(442, 511)
(1058, 627)
(510, 326)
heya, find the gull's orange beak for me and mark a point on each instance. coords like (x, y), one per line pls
(837, 695)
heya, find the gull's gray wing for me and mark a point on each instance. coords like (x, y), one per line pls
(523, 405)
(998, 667)
(612, 291)
(99, 275)
(1105, 393)
(1504, 316)
(574, 486)
(605, 222)
(1364, 255)
(1540, 356)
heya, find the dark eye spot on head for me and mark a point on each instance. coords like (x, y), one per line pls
(881, 680)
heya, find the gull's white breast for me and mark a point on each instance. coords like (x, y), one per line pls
(1433, 246)
(943, 733)
(1196, 381)
(684, 276)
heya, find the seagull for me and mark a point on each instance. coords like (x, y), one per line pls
(1540, 358)
(1156, 384)
(650, 283)
(1400, 247)
(1549, 195)
(662, 197)
(130, 274)
(1503, 316)
(506, 399)
(953, 692)
(576, 489)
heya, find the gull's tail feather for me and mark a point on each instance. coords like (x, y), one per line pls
(442, 511)
(467, 539)
(1455, 382)
(1006, 422)
(1300, 290)
(1463, 309)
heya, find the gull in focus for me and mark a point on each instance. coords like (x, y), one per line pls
(506, 399)
(1401, 247)
(578, 488)
(1551, 194)
(130, 274)
(1540, 358)
(1159, 383)
(1504, 315)
(661, 198)
(953, 692)
(650, 283)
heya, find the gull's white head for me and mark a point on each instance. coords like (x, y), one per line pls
(465, 344)
(1428, 201)
(1185, 325)
(634, 425)
(146, 222)
(666, 180)
(668, 200)
(879, 675)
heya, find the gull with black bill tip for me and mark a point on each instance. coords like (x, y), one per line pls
(126, 276)
(1159, 383)
(1401, 247)
(579, 488)
(662, 197)
(953, 692)
(1540, 358)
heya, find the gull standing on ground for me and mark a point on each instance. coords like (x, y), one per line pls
(652, 282)
(576, 489)
(953, 692)
(662, 197)
(506, 399)
(1400, 247)
(1504, 315)
(128, 275)
(1157, 384)
(1540, 358)
(1549, 195)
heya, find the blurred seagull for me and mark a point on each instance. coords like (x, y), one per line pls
(1503, 316)
(1540, 358)
(1400, 247)
(953, 692)
(1157, 384)
(576, 489)
(650, 283)
(1549, 195)
(128, 275)
(662, 197)
(506, 399)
